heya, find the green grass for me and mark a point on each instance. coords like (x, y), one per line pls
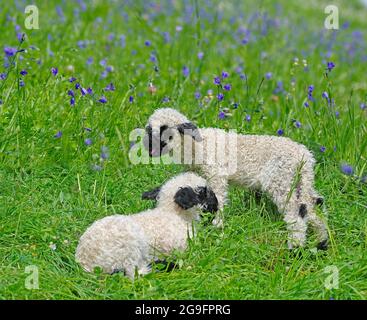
(50, 191)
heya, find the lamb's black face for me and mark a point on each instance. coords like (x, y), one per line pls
(155, 143)
(203, 197)
(208, 200)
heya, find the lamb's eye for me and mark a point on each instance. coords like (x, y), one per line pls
(170, 138)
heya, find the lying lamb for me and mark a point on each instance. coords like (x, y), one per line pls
(132, 242)
(276, 165)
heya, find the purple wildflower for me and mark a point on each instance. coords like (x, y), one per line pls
(227, 87)
(347, 169)
(104, 74)
(72, 79)
(200, 55)
(280, 132)
(322, 149)
(96, 167)
(104, 153)
(2, 76)
(131, 99)
(248, 118)
(268, 75)
(153, 58)
(72, 101)
(83, 91)
(20, 36)
(185, 71)
(306, 104)
(9, 51)
(225, 74)
(147, 43)
(23, 72)
(111, 36)
(77, 85)
(109, 69)
(279, 88)
(103, 62)
(217, 81)
(102, 99)
(58, 135)
(220, 96)
(110, 87)
(197, 95)
(297, 124)
(21, 83)
(89, 90)
(330, 66)
(89, 61)
(221, 115)
(88, 141)
(71, 93)
(325, 95)
(363, 106)
(54, 71)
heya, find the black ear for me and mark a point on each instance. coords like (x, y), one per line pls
(190, 129)
(186, 198)
(151, 195)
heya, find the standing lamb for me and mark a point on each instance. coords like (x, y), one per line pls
(131, 242)
(276, 165)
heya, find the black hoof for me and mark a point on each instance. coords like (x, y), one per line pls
(164, 265)
(323, 245)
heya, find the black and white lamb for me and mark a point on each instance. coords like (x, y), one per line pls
(282, 168)
(130, 243)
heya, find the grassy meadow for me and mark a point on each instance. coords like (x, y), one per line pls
(73, 90)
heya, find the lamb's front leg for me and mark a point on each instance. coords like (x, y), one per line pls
(219, 185)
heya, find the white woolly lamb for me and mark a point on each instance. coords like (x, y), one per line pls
(276, 165)
(131, 242)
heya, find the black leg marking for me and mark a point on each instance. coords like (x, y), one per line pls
(302, 210)
(319, 201)
(165, 265)
(118, 271)
(323, 245)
